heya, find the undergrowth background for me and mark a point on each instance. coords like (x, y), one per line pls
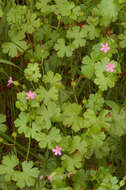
(62, 94)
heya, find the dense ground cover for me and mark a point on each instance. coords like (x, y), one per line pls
(62, 94)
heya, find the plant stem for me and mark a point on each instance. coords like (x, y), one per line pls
(29, 144)
(58, 24)
(74, 92)
(17, 144)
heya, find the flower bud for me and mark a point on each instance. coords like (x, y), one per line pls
(73, 83)
(1, 139)
(84, 101)
(14, 134)
(16, 83)
(59, 17)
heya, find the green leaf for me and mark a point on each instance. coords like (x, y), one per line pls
(88, 67)
(3, 127)
(16, 17)
(32, 72)
(63, 7)
(95, 142)
(27, 176)
(47, 114)
(1, 12)
(6, 185)
(80, 179)
(95, 102)
(20, 18)
(17, 44)
(71, 118)
(109, 182)
(49, 139)
(92, 31)
(122, 38)
(118, 119)
(71, 163)
(7, 166)
(21, 102)
(109, 11)
(78, 144)
(44, 6)
(32, 23)
(23, 124)
(63, 49)
(105, 79)
(97, 122)
(89, 118)
(53, 80)
(47, 95)
(78, 35)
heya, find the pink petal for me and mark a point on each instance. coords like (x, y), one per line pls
(113, 66)
(10, 81)
(30, 92)
(60, 153)
(102, 49)
(107, 69)
(27, 98)
(41, 177)
(106, 44)
(105, 50)
(102, 45)
(32, 97)
(53, 150)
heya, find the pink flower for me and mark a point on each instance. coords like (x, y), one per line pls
(105, 47)
(57, 150)
(30, 95)
(49, 178)
(41, 177)
(10, 81)
(109, 67)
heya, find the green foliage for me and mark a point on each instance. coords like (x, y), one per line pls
(63, 49)
(78, 35)
(63, 114)
(109, 11)
(53, 80)
(71, 116)
(32, 72)
(8, 165)
(95, 102)
(88, 67)
(71, 163)
(23, 124)
(49, 139)
(118, 115)
(17, 44)
(27, 176)
(122, 38)
(1, 12)
(103, 79)
(3, 127)
(20, 18)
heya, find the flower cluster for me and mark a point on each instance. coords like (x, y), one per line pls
(10, 81)
(57, 150)
(109, 66)
(30, 95)
(105, 47)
